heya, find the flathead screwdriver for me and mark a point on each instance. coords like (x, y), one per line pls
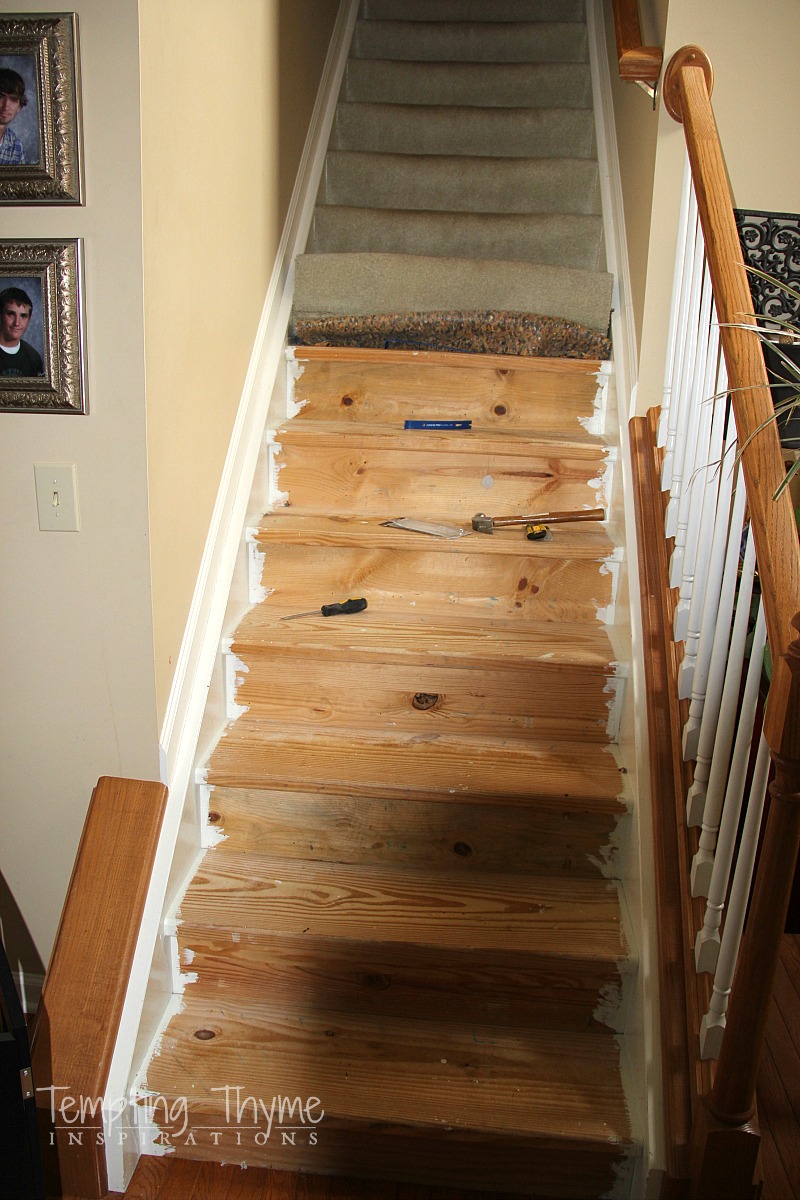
(332, 610)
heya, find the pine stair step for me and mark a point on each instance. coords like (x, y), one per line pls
(326, 468)
(553, 240)
(534, 705)
(252, 754)
(406, 1099)
(589, 540)
(513, 914)
(494, 391)
(464, 130)
(451, 836)
(402, 578)
(473, 10)
(308, 974)
(462, 183)
(478, 41)
(411, 639)
(525, 85)
(328, 285)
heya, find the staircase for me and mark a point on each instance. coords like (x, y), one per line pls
(410, 930)
(459, 207)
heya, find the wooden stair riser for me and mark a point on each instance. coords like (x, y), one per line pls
(346, 474)
(439, 835)
(557, 395)
(542, 702)
(310, 976)
(481, 586)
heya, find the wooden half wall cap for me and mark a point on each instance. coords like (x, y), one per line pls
(687, 56)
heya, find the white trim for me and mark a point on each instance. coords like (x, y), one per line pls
(204, 626)
(642, 1065)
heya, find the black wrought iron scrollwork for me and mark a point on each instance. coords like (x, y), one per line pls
(771, 243)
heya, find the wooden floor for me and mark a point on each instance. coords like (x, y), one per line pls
(779, 1105)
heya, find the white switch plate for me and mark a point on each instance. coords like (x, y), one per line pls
(57, 496)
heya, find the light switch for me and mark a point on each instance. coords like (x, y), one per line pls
(57, 496)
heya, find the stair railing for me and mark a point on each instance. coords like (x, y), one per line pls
(637, 63)
(732, 593)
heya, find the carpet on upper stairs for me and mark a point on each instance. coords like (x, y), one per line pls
(487, 332)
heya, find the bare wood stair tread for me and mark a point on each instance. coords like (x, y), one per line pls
(463, 836)
(383, 631)
(573, 442)
(517, 914)
(289, 526)
(530, 1084)
(253, 754)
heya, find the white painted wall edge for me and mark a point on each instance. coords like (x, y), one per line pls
(648, 1072)
(205, 622)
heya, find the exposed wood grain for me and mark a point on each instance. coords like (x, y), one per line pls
(557, 1085)
(539, 704)
(521, 586)
(449, 640)
(307, 974)
(291, 527)
(483, 912)
(635, 60)
(384, 831)
(73, 1041)
(325, 468)
(493, 393)
(250, 755)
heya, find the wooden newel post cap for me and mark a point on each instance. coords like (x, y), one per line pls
(687, 56)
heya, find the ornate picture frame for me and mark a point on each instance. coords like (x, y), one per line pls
(42, 282)
(41, 161)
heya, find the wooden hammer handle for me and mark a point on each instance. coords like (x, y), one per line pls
(552, 518)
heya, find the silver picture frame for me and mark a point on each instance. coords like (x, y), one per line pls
(48, 272)
(42, 49)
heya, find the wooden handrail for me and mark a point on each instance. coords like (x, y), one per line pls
(637, 63)
(86, 981)
(725, 1136)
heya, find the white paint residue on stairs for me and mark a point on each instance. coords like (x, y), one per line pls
(235, 671)
(256, 559)
(595, 424)
(210, 835)
(277, 498)
(293, 372)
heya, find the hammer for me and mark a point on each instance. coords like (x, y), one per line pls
(483, 524)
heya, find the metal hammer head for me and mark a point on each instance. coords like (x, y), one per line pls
(482, 524)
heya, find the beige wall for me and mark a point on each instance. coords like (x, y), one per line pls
(185, 192)
(637, 128)
(78, 690)
(225, 107)
(755, 51)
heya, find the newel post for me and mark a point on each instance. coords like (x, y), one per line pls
(725, 1138)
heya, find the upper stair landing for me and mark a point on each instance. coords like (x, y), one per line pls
(461, 178)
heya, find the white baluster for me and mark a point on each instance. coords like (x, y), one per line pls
(710, 554)
(684, 396)
(683, 255)
(687, 538)
(712, 1025)
(717, 814)
(701, 725)
(711, 767)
